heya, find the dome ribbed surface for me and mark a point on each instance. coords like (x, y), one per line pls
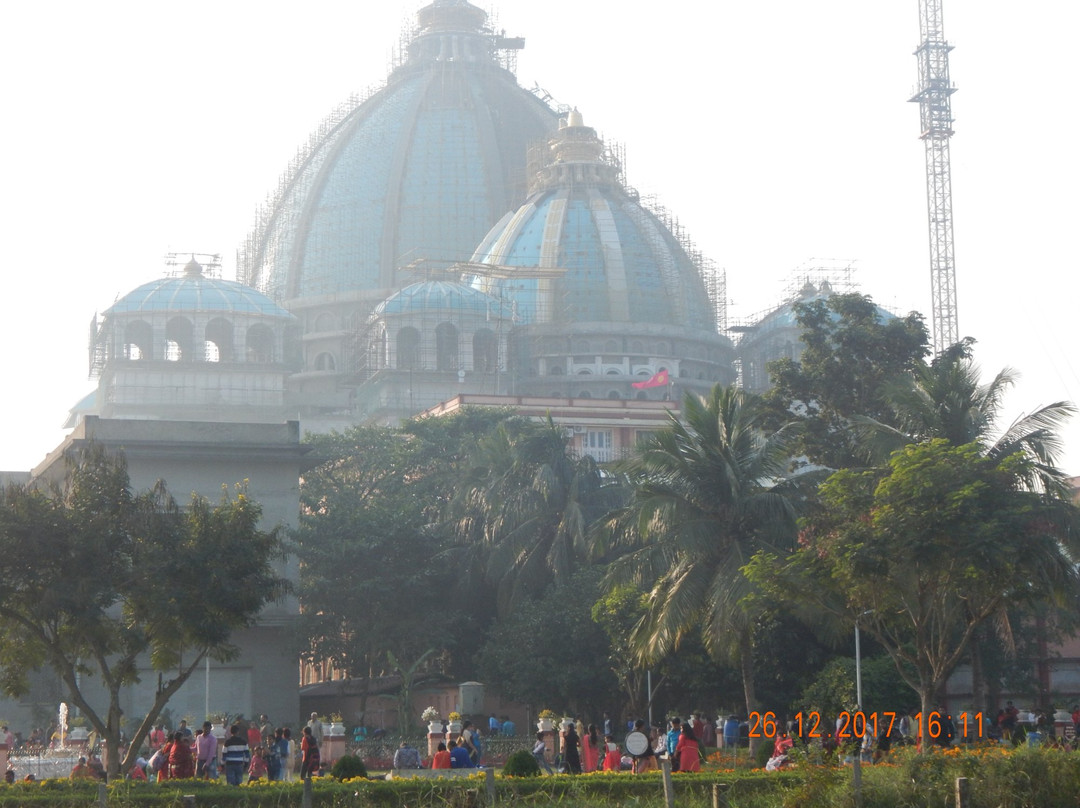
(197, 293)
(420, 170)
(442, 296)
(622, 264)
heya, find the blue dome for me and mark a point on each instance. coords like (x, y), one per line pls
(194, 292)
(442, 296)
(420, 170)
(622, 264)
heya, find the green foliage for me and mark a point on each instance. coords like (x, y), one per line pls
(373, 559)
(923, 552)
(347, 767)
(833, 689)
(525, 506)
(550, 651)
(521, 764)
(703, 502)
(82, 568)
(851, 352)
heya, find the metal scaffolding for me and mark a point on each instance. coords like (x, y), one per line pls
(935, 115)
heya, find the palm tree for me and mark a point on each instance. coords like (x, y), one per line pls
(704, 501)
(525, 507)
(945, 400)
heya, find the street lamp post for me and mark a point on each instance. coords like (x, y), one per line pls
(857, 767)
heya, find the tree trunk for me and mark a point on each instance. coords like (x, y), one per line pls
(978, 675)
(746, 668)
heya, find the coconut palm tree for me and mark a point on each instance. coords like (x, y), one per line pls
(705, 499)
(944, 399)
(525, 507)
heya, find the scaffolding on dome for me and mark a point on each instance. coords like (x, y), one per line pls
(838, 273)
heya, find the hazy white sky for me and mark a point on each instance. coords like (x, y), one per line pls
(777, 132)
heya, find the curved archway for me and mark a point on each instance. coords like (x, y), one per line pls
(446, 346)
(408, 348)
(219, 340)
(325, 361)
(138, 340)
(179, 340)
(260, 343)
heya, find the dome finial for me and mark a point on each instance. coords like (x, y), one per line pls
(193, 269)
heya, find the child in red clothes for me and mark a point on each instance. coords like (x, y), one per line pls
(612, 758)
(258, 767)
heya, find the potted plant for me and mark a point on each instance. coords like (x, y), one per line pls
(433, 719)
(546, 720)
(336, 725)
(454, 720)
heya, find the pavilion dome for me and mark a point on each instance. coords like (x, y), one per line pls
(420, 170)
(607, 258)
(191, 292)
(442, 296)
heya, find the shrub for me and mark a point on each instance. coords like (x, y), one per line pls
(521, 764)
(764, 752)
(347, 767)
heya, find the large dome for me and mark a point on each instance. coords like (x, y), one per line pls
(616, 262)
(420, 170)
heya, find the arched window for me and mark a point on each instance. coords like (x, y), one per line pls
(485, 351)
(408, 348)
(611, 346)
(613, 394)
(179, 340)
(260, 343)
(325, 361)
(138, 340)
(584, 394)
(219, 340)
(446, 347)
(556, 370)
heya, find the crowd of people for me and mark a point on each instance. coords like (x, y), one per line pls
(251, 751)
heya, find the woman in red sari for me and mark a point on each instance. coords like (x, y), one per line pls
(687, 750)
(181, 761)
(590, 749)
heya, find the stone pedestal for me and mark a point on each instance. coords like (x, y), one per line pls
(549, 744)
(434, 739)
(333, 745)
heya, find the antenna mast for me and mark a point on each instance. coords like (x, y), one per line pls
(935, 114)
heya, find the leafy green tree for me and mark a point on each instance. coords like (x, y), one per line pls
(704, 501)
(526, 506)
(945, 399)
(549, 652)
(851, 352)
(832, 690)
(376, 564)
(81, 572)
(925, 551)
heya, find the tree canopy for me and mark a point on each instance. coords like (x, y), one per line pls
(90, 579)
(924, 551)
(852, 350)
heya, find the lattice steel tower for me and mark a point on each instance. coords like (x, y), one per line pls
(935, 113)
